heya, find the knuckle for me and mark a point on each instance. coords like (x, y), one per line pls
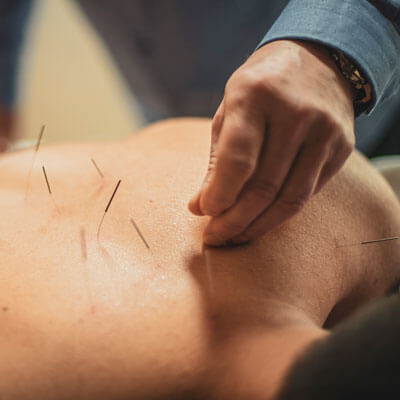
(239, 141)
(321, 119)
(312, 112)
(348, 145)
(309, 112)
(294, 204)
(329, 129)
(238, 100)
(256, 84)
(232, 227)
(216, 124)
(336, 128)
(343, 151)
(263, 190)
(330, 122)
(214, 207)
(344, 145)
(243, 238)
(243, 166)
(237, 163)
(247, 77)
(333, 127)
(246, 83)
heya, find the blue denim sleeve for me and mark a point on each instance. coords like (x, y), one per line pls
(13, 15)
(356, 27)
(390, 9)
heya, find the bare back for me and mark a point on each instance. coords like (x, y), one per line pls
(107, 317)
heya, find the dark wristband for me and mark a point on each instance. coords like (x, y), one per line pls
(362, 91)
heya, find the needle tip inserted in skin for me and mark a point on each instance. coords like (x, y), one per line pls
(139, 233)
(387, 239)
(380, 240)
(97, 168)
(47, 181)
(40, 138)
(49, 188)
(39, 141)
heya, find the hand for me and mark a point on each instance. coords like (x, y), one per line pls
(283, 129)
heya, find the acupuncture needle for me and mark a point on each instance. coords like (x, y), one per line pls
(380, 240)
(97, 168)
(387, 239)
(134, 224)
(47, 181)
(139, 233)
(48, 187)
(39, 141)
(108, 206)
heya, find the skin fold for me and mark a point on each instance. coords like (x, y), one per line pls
(111, 319)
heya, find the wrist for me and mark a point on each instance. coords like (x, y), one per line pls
(361, 88)
(351, 77)
(323, 53)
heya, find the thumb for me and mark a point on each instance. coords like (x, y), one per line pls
(194, 203)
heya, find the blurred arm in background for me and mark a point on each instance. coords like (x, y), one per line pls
(13, 18)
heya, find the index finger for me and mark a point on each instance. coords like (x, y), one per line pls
(239, 146)
(298, 188)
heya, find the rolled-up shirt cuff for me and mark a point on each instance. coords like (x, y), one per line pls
(356, 28)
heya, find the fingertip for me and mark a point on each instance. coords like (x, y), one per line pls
(209, 206)
(210, 237)
(194, 205)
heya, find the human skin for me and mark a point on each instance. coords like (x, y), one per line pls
(284, 127)
(115, 320)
